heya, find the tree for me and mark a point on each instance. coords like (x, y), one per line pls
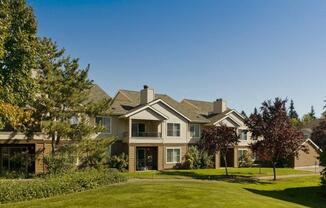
(63, 96)
(243, 113)
(274, 136)
(216, 139)
(292, 112)
(312, 113)
(319, 134)
(18, 44)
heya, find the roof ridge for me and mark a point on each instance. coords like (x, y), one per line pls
(203, 101)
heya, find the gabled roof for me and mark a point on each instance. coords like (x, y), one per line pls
(127, 100)
(313, 144)
(96, 93)
(206, 109)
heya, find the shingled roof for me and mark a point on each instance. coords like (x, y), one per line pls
(127, 100)
(96, 93)
(205, 109)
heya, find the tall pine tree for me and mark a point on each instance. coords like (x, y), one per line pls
(62, 103)
(292, 112)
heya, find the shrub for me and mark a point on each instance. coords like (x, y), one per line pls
(246, 160)
(57, 164)
(195, 159)
(14, 191)
(119, 162)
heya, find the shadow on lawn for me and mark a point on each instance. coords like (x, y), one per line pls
(230, 178)
(306, 196)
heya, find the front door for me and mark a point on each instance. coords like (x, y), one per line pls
(146, 158)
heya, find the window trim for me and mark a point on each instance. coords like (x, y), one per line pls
(166, 154)
(167, 130)
(109, 131)
(241, 132)
(199, 129)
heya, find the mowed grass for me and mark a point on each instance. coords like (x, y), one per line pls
(213, 173)
(193, 193)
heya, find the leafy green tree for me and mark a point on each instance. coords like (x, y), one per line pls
(18, 52)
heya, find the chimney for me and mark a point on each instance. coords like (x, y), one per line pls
(219, 106)
(146, 95)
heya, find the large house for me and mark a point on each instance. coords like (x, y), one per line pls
(154, 130)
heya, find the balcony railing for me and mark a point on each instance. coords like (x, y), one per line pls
(146, 134)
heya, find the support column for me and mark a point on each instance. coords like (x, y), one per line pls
(132, 158)
(217, 160)
(160, 157)
(236, 158)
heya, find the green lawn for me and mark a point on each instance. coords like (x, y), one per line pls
(160, 193)
(213, 173)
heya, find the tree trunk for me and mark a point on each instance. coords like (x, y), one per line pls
(53, 144)
(274, 171)
(226, 165)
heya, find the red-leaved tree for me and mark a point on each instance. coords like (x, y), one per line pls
(274, 136)
(219, 139)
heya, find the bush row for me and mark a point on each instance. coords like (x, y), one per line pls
(14, 191)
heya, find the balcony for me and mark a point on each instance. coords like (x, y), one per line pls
(146, 134)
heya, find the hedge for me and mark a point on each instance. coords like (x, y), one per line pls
(14, 191)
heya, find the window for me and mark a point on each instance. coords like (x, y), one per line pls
(174, 129)
(74, 120)
(243, 135)
(138, 129)
(194, 130)
(242, 155)
(104, 122)
(173, 155)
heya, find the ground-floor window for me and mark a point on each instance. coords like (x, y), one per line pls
(242, 155)
(17, 158)
(173, 155)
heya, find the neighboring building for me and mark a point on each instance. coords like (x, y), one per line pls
(156, 130)
(309, 159)
(12, 143)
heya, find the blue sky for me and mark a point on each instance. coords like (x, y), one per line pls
(244, 51)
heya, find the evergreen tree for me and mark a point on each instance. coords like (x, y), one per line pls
(18, 54)
(243, 113)
(312, 113)
(63, 96)
(292, 112)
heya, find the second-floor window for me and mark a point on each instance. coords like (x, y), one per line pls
(105, 122)
(194, 130)
(174, 129)
(244, 135)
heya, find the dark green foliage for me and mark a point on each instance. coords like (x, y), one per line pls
(292, 112)
(14, 191)
(119, 162)
(84, 154)
(196, 159)
(312, 113)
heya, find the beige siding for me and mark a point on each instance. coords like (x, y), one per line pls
(306, 159)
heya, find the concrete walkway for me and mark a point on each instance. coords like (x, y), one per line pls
(286, 176)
